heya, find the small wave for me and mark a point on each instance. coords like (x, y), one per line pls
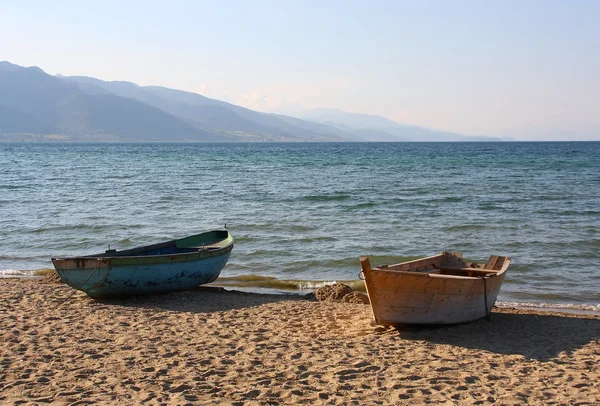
(270, 282)
(43, 271)
(580, 213)
(267, 229)
(467, 227)
(592, 243)
(570, 212)
(15, 187)
(18, 273)
(22, 258)
(523, 268)
(89, 227)
(568, 307)
(316, 263)
(450, 199)
(244, 239)
(326, 198)
(413, 192)
(366, 205)
(267, 253)
(126, 242)
(490, 206)
(317, 239)
(549, 198)
(298, 228)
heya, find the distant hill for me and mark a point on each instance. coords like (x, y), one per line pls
(62, 107)
(377, 128)
(13, 121)
(36, 106)
(217, 116)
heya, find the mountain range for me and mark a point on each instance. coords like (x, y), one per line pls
(36, 106)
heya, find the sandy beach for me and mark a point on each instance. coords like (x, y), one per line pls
(211, 346)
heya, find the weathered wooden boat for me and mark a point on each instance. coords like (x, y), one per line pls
(442, 289)
(170, 266)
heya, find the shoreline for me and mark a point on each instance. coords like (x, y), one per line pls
(216, 346)
(551, 308)
(571, 308)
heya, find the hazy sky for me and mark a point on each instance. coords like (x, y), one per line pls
(518, 68)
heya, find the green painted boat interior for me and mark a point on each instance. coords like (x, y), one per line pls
(210, 240)
(205, 239)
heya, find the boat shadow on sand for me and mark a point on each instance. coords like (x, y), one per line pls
(533, 335)
(203, 299)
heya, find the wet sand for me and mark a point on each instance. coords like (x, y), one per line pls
(211, 346)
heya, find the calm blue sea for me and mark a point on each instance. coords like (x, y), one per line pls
(303, 213)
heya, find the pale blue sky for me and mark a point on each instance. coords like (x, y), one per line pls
(519, 68)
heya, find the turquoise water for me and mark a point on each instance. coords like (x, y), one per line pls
(304, 213)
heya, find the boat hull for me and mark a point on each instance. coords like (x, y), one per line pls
(105, 275)
(417, 293)
(429, 299)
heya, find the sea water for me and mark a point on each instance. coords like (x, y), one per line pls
(302, 213)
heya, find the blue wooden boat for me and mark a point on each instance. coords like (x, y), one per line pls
(170, 266)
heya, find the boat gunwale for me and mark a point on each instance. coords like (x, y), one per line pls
(414, 261)
(435, 273)
(156, 259)
(201, 253)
